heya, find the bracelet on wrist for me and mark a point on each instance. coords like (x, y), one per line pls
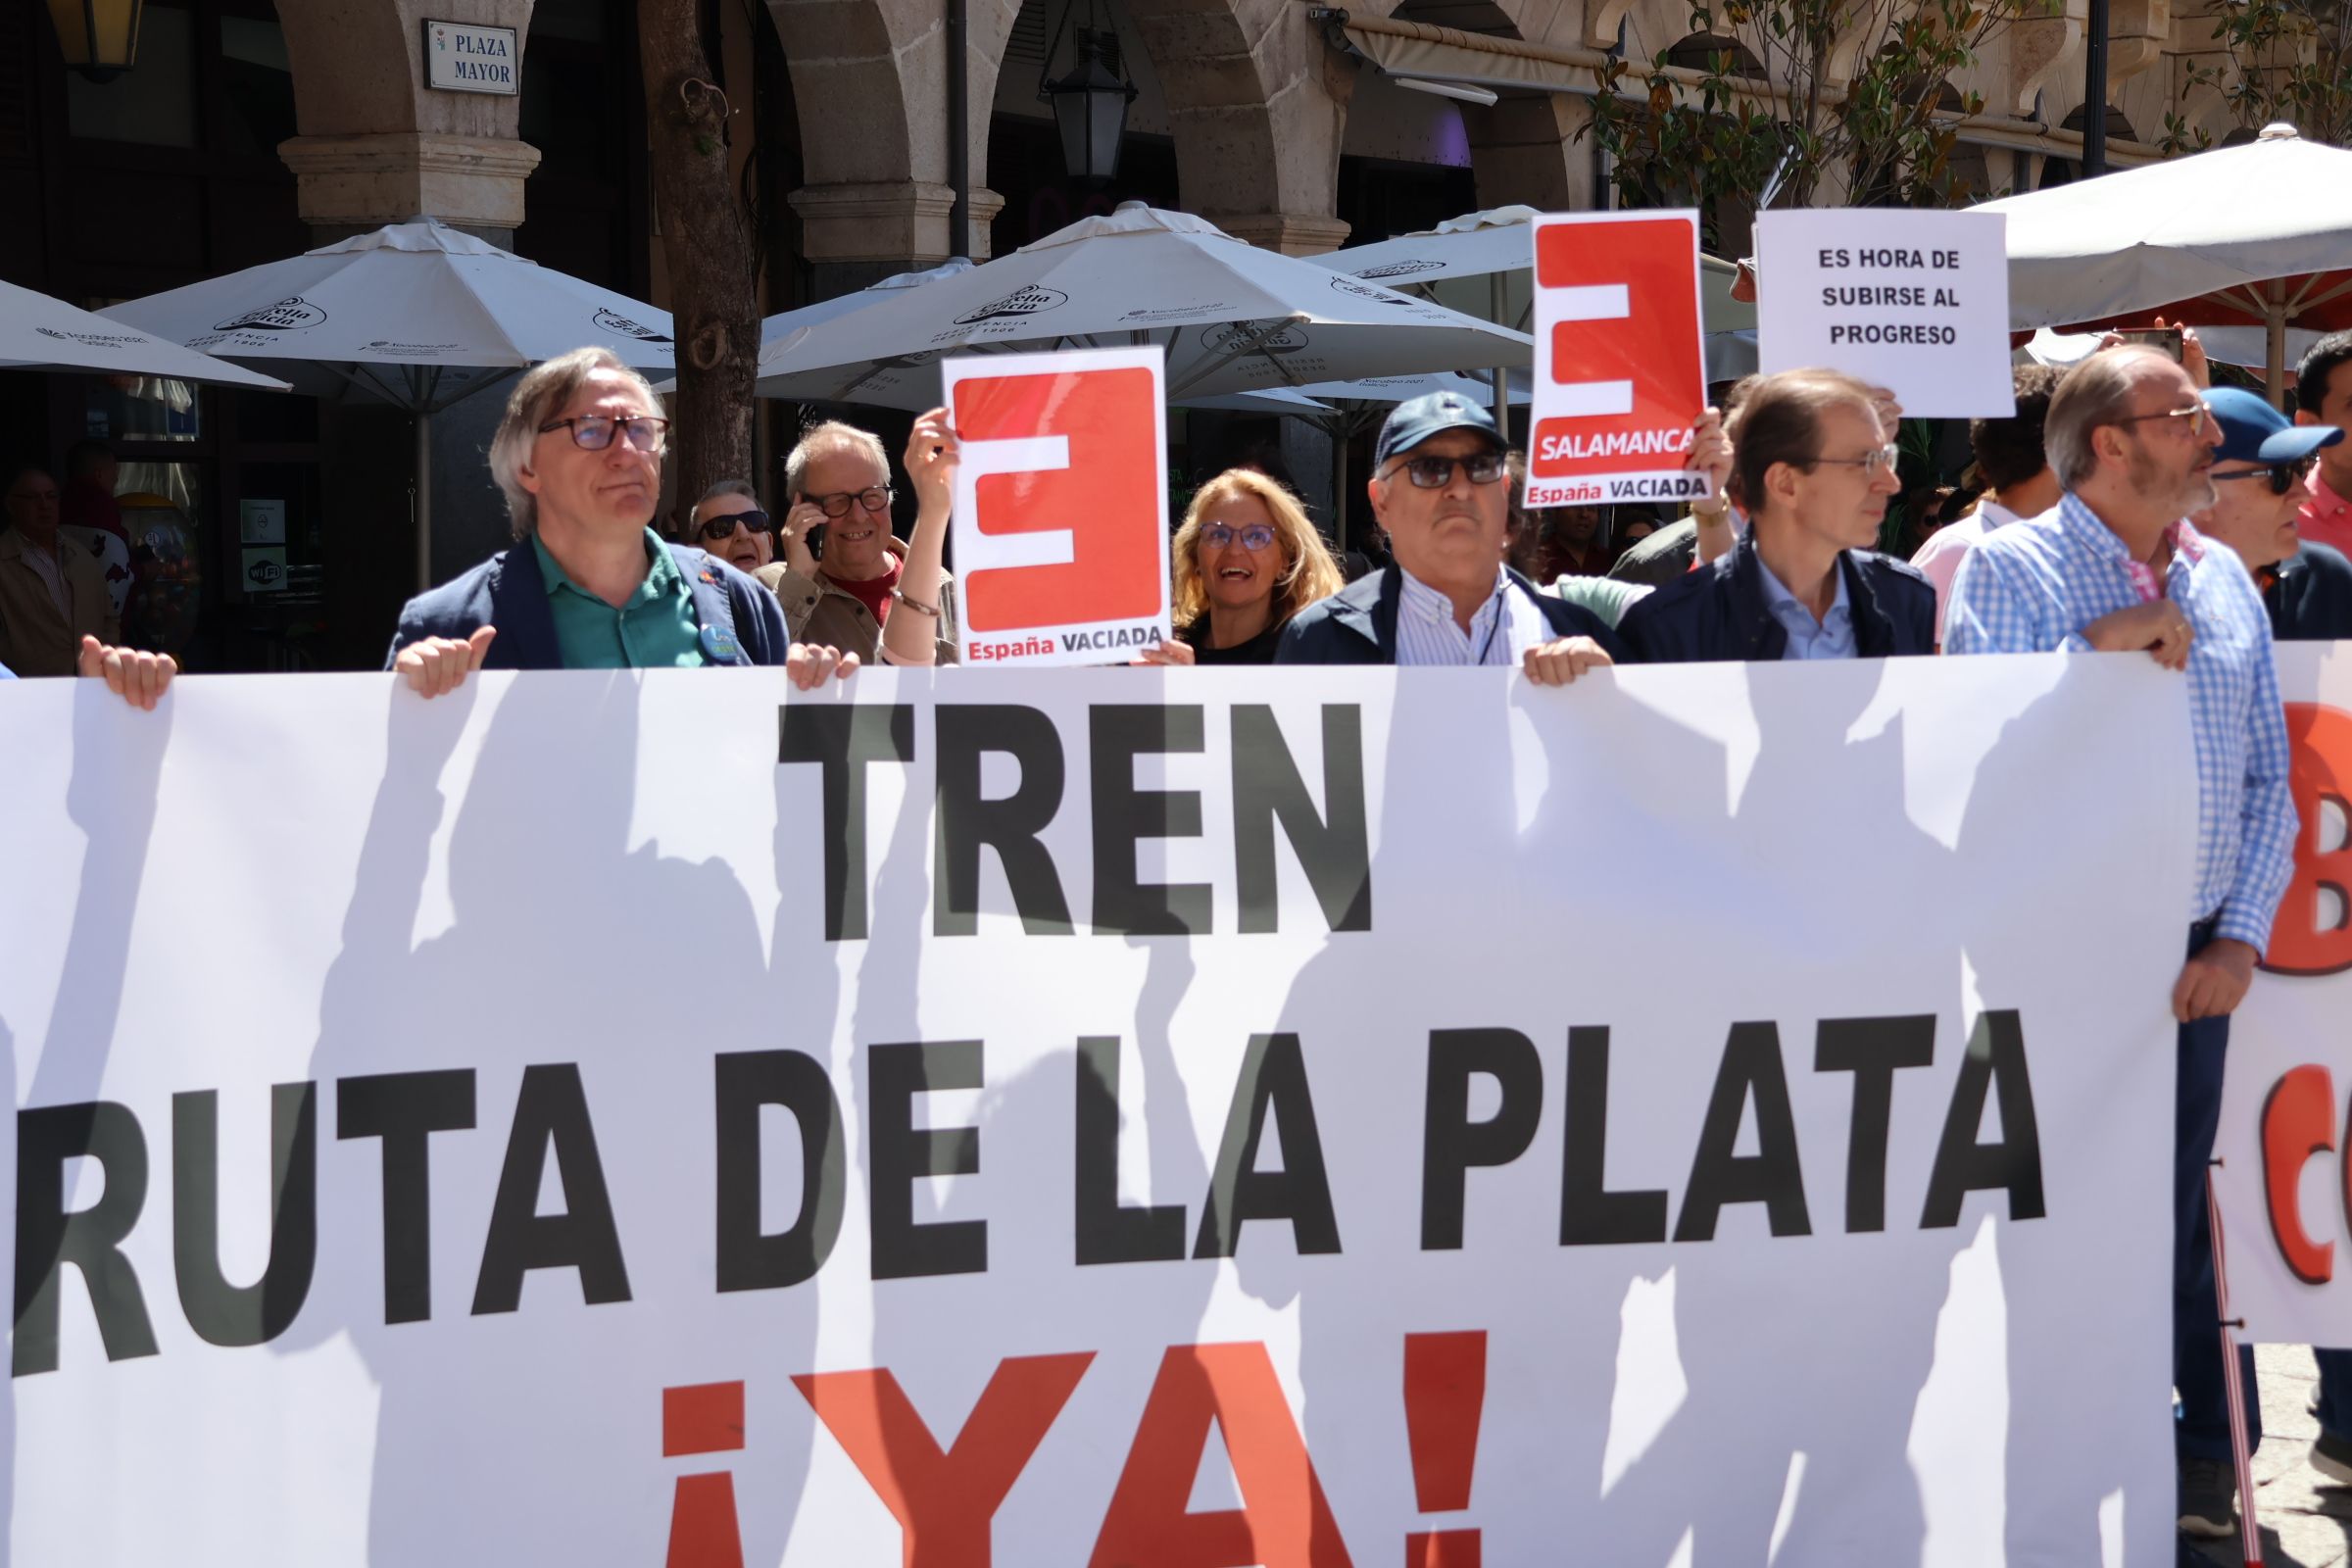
(915, 605)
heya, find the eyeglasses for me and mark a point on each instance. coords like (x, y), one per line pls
(1436, 473)
(1883, 460)
(593, 433)
(2196, 414)
(1253, 536)
(2282, 476)
(838, 505)
(716, 528)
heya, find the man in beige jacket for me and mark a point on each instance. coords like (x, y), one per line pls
(872, 595)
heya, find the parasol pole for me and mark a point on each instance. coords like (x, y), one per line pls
(2273, 372)
(1495, 305)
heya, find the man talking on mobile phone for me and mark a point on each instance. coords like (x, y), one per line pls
(870, 594)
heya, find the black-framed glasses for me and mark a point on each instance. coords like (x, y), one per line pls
(1436, 473)
(1881, 459)
(593, 433)
(1255, 536)
(837, 505)
(2282, 476)
(2196, 414)
(716, 528)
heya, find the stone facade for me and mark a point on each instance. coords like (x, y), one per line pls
(1256, 100)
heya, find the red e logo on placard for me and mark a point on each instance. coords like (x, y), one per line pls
(1069, 503)
(1620, 302)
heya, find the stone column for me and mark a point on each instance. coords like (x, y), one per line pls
(377, 144)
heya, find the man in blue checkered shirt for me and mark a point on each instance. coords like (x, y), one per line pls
(2116, 567)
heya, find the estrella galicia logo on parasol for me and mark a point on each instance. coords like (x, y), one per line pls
(1405, 268)
(286, 315)
(615, 322)
(1027, 301)
(1369, 291)
(1243, 337)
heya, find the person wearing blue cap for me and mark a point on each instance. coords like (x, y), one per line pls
(1439, 488)
(2262, 473)
(588, 584)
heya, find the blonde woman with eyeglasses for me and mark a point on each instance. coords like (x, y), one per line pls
(1246, 560)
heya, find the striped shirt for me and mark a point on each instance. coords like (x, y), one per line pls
(1504, 629)
(2033, 586)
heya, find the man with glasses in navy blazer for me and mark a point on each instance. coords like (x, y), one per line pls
(588, 584)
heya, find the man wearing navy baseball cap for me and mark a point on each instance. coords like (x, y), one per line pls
(2262, 475)
(2262, 481)
(1438, 487)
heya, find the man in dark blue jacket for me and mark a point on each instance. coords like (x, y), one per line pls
(589, 585)
(1813, 467)
(1439, 474)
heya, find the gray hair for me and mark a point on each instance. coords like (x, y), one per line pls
(543, 390)
(2096, 392)
(832, 436)
(724, 487)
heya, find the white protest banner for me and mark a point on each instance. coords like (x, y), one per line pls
(1620, 366)
(2283, 1155)
(1104, 1117)
(1062, 506)
(1917, 302)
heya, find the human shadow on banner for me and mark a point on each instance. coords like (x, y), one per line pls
(1459, 978)
(500, 1089)
(2076, 1332)
(112, 797)
(1805, 1308)
(987, 1326)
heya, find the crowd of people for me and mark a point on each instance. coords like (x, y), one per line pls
(2126, 506)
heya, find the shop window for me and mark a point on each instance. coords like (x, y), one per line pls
(257, 87)
(141, 408)
(152, 103)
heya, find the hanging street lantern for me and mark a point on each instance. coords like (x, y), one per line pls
(1090, 107)
(100, 38)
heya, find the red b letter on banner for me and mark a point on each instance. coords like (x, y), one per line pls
(1089, 523)
(2320, 739)
(1624, 345)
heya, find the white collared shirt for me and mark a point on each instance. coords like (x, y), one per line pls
(1505, 627)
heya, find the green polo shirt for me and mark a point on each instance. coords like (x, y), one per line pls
(655, 629)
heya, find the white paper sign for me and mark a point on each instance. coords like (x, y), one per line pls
(262, 522)
(1917, 302)
(460, 57)
(1116, 1116)
(1062, 506)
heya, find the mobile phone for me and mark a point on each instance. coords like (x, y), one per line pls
(2164, 339)
(815, 540)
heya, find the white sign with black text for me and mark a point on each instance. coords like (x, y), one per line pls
(460, 57)
(1914, 302)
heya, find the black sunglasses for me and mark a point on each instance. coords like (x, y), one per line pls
(2282, 476)
(716, 528)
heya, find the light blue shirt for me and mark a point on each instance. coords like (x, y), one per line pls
(1831, 637)
(1504, 629)
(2033, 586)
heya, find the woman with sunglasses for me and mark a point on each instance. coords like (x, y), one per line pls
(1246, 560)
(728, 523)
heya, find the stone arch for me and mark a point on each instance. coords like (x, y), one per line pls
(869, 77)
(375, 143)
(1256, 105)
